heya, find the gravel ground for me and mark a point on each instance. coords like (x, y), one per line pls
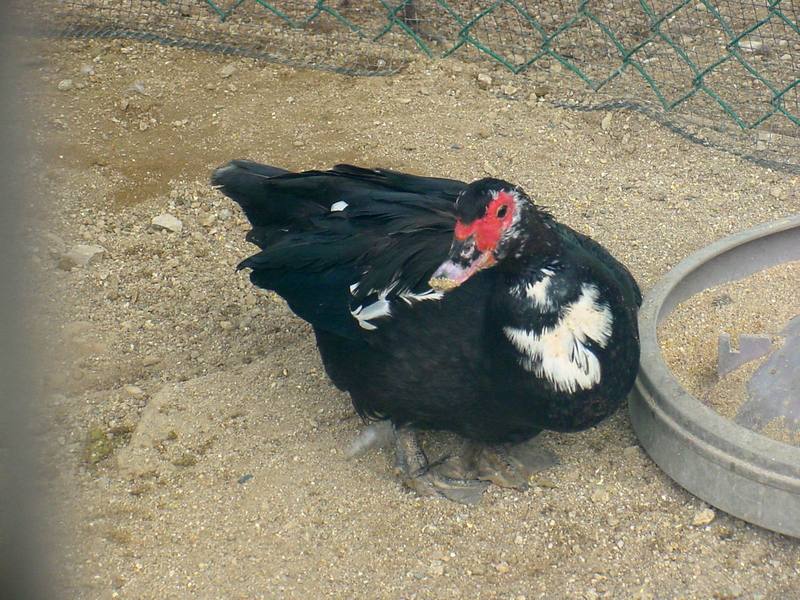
(194, 447)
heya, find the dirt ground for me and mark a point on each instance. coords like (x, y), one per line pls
(195, 448)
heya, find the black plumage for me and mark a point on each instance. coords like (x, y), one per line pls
(538, 332)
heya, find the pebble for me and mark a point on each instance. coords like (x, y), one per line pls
(87, 70)
(600, 496)
(134, 391)
(227, 71)
(778, 193)
(484, 81)
(631, 451)
(786, 57)
(225, 214)
(703, 517)
(208, 220)
(751, 45)
(436, 568)
(65, 85)
(502, 568)
(167, 222)
(605, 124)
(509, 90)
(81, 255)
(484, 133)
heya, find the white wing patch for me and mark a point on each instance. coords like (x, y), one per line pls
(382, 307)
(338, 206)
(559, 353)
(538, 293)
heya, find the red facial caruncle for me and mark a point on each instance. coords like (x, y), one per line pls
(489, 228)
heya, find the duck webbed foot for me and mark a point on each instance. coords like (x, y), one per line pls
(412, 467)
(505, 465)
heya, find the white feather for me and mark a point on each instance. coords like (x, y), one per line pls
(559, 353)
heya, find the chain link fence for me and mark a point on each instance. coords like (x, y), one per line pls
(724, 73)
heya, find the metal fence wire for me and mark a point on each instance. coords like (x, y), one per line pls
(724, 73)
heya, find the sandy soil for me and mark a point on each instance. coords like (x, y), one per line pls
(761, 304)
(195, 447)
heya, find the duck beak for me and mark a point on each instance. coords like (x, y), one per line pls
(462, 263)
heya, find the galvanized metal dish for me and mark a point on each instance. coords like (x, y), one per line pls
(729, 466)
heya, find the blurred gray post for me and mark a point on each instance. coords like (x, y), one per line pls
(23, 561)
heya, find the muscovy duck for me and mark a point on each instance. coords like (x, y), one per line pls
(448, 306)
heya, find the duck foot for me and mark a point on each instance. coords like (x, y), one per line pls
(412, 467)
(509, 466)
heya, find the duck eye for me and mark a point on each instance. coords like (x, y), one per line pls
(501, 212)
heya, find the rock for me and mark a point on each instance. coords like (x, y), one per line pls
(600, 496)
(167, 222)
(509, 90)
(751, 45)
(65, 85)
(778, 193)
(631, 451)
(484, 81)
(404, 100)
(227, 71)
(541, 90)
(81, 255)
(605, 124)
(138, 87)
(134, 391)
(786, 57)
(502, 567)
(225, 214)
(436, 569)
(87, 70)
(484, 133)
(703, 517)
(208, 220)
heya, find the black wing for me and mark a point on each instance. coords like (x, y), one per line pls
(342, 246)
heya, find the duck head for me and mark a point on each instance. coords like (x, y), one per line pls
(497, 225)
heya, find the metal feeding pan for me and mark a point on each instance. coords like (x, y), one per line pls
(729, 466)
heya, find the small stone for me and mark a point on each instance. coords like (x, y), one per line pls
(786, 57)
(778, 193)
(138, 87)
(149, 361)
(519, 540)
(484, 133)
(226, 325)
(124, 104)
(751, 45)
(225, 214)
(600, 496)
(703, 517)
(404, 100)
(436, 569)
(134, 391)
(167, 222)
(208, 220)
(81, 255)
(605, 124)
(502, 567)
(227, 71)
(631, 451)
(87, 70)
(541, 90)
(298, 143)
(484, 81)
(509, 90)
(65, 85)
